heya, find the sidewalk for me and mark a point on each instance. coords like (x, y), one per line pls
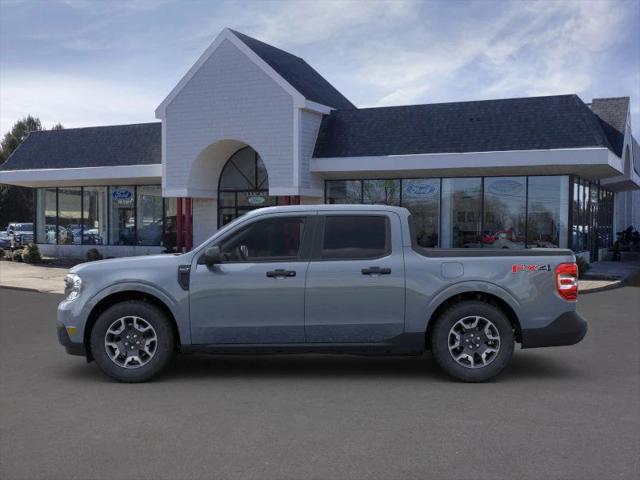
(601, 276)
(607, 275)
(32, 277)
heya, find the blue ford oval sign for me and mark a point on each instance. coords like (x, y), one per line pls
(421, 189)
(122, 194)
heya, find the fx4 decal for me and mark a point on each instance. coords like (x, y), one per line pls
(530, 268)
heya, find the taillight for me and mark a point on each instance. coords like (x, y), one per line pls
(567, 281)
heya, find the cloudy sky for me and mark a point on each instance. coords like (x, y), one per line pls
(82, 62)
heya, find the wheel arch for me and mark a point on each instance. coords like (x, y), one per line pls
(492, 298)
(122, 296)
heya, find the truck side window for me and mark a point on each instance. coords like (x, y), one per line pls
(273, 239)
(351, 237)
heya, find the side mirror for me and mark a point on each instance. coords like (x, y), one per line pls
(211, 256)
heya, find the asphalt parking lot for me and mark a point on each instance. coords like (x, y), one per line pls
(570, 413)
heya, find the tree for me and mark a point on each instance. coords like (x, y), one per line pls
(16, 203)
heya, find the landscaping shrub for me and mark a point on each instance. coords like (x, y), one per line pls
(93, 254)
(31, 254)
(16, 256)
(583, 266)
(1, 253)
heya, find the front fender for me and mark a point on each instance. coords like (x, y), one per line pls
(179, 308)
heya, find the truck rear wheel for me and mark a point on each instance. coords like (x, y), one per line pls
(132, 341)
(473, 341)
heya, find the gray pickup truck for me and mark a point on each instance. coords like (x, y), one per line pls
(325, 279)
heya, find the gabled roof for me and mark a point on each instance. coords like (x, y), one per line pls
(298, 73)
(110, 146)
(533, 123)
(292, 73)
(612, 113)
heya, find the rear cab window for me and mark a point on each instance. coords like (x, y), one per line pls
(354, 237)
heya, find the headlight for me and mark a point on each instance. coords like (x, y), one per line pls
(72, 285)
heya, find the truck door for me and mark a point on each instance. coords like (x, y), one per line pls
(355, 280)
(256, 295)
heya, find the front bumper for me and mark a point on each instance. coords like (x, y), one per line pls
(568, 329)
(72, 348)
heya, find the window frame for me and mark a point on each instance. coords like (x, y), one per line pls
(318, 242)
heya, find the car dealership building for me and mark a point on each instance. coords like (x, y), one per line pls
(250, 125)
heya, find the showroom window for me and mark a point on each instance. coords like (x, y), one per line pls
(46, 215)
(461, 212)
(121, 215)
(94, 214)
(69, 216)
(381, 192)
(489, 212)
(149, 215)
(504, 212)
(122, 218)
(422, 198)
(344, 191)
(548, 209)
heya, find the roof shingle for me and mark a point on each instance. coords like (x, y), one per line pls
(612, 113)
(109, 146)
(532, 123)
(298, 73)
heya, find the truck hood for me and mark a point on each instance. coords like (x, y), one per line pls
(130, 263)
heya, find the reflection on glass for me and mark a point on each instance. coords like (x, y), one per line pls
(170, 226)
(244, 186)
(94, 216)
(344, 191)
(461, 212)
(381, 192)
(504, 212)
(422, 198)
(149, 215)
(122, 224)
(69, 218)
(46, 215)
(548, 199)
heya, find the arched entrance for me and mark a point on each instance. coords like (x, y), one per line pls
(243, 186)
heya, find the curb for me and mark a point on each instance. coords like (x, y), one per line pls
(28, 289)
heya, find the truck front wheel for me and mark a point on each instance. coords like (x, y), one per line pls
(132, 341)
(472, 341)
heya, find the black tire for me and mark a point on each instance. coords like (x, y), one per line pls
(164, 351)
(440, 341)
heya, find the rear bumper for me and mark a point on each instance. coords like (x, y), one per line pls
(72, 348)
(568, 329)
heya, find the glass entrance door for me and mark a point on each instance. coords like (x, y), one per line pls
(244, 186)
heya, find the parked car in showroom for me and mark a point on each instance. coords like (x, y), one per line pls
(321, 278)
(20, 234)
(5, 240)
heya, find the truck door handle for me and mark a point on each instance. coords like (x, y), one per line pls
(376, 271)
(280, 272)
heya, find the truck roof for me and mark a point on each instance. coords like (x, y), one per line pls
(329, 208)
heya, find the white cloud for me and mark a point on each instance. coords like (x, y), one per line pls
(534, 48)
(297, 21)
(72, 100)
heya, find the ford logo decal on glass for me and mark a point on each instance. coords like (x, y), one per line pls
(505, 187)
(121, 194)
(421, 189)
(256, 199)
